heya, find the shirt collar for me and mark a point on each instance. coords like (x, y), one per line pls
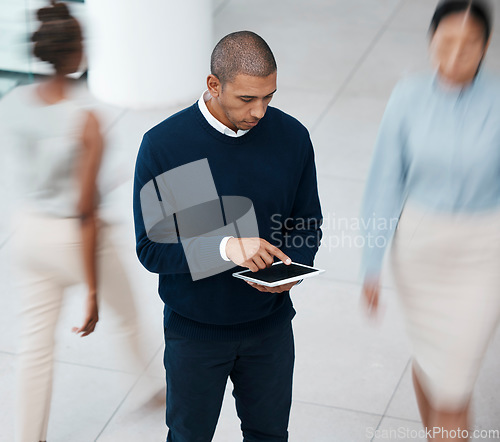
(214, 122)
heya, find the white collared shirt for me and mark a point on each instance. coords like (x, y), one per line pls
(214, 122)
(223, 129)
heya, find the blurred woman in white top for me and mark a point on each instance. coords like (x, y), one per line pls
(58, 234)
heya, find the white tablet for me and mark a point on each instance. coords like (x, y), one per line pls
(278, 274)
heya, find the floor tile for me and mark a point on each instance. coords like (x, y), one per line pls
(141, 416)
(83, 400)
(398, 430)
(343, 359)
(324, 424)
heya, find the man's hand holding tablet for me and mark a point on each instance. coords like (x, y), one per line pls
(277, 289)
(264, 274)
(257, 254)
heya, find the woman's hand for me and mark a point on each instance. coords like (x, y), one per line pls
(371, 295)
(91, 316)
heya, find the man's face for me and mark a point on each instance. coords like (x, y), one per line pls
(243, 101)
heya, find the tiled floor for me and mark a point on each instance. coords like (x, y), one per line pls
(338, 61)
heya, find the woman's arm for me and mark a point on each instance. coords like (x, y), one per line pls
(87, 208)
(384, 193)
(385, 187)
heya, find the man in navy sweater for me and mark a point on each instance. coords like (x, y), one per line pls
(229, 143)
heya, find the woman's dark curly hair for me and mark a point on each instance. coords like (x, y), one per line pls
(58, 36)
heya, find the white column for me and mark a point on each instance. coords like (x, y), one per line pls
(148, 53)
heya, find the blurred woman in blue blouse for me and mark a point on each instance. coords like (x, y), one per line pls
(436, 176)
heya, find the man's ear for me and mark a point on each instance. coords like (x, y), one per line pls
(214, 85)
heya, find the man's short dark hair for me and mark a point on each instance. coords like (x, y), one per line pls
(242, 52)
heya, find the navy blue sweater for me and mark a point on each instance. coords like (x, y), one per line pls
(273, 166)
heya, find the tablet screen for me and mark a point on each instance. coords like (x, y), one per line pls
(279, 272)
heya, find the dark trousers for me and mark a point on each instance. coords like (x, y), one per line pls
(260, 369)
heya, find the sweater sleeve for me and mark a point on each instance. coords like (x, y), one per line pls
(161, 249)
(303, 233)
(385, 189)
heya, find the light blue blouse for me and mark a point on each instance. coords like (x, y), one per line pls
(437, 147)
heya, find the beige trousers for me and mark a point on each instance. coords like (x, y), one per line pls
(48, 259)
